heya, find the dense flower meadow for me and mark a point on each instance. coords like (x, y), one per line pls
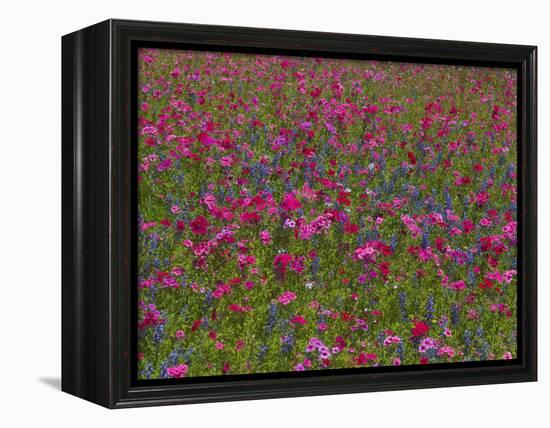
(311, 213)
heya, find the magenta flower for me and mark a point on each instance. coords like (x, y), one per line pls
(457, 285)
(265, 237)
(178, 371)
(199, 225)
(281, 261)
(287, 297)
(290, 203)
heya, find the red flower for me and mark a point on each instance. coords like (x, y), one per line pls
(340, 341)
(384, 268)
(308, 152)
(468, 226)
(439, 243)
(482, 198)
(259, 202)
(486, 284)
(281, 261)
(234, 281)
(196, 325)
(206, 139)
(346, 316)
(150, 142)
(247, 217)
(161, 275)
(486, 243)
(315, 92)
(290, 203)
(372, 109)
(233, 307)
(420, 329)
(364, 358)
(412, 250)
(424, 361)
(199, 225)
(180, 225)
(384, 249)
(412, 158)
(298, 319)
(343, 198)
(350, 228)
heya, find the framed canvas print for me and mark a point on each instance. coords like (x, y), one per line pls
(253, 213)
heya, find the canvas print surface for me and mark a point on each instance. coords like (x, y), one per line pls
(300, 213)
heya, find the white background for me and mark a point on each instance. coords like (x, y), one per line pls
(30, 209)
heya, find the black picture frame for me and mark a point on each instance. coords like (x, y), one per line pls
(99, 225)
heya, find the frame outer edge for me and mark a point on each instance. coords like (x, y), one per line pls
(111, 386)
(532, 190)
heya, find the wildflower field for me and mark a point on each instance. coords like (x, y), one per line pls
(300, 213)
